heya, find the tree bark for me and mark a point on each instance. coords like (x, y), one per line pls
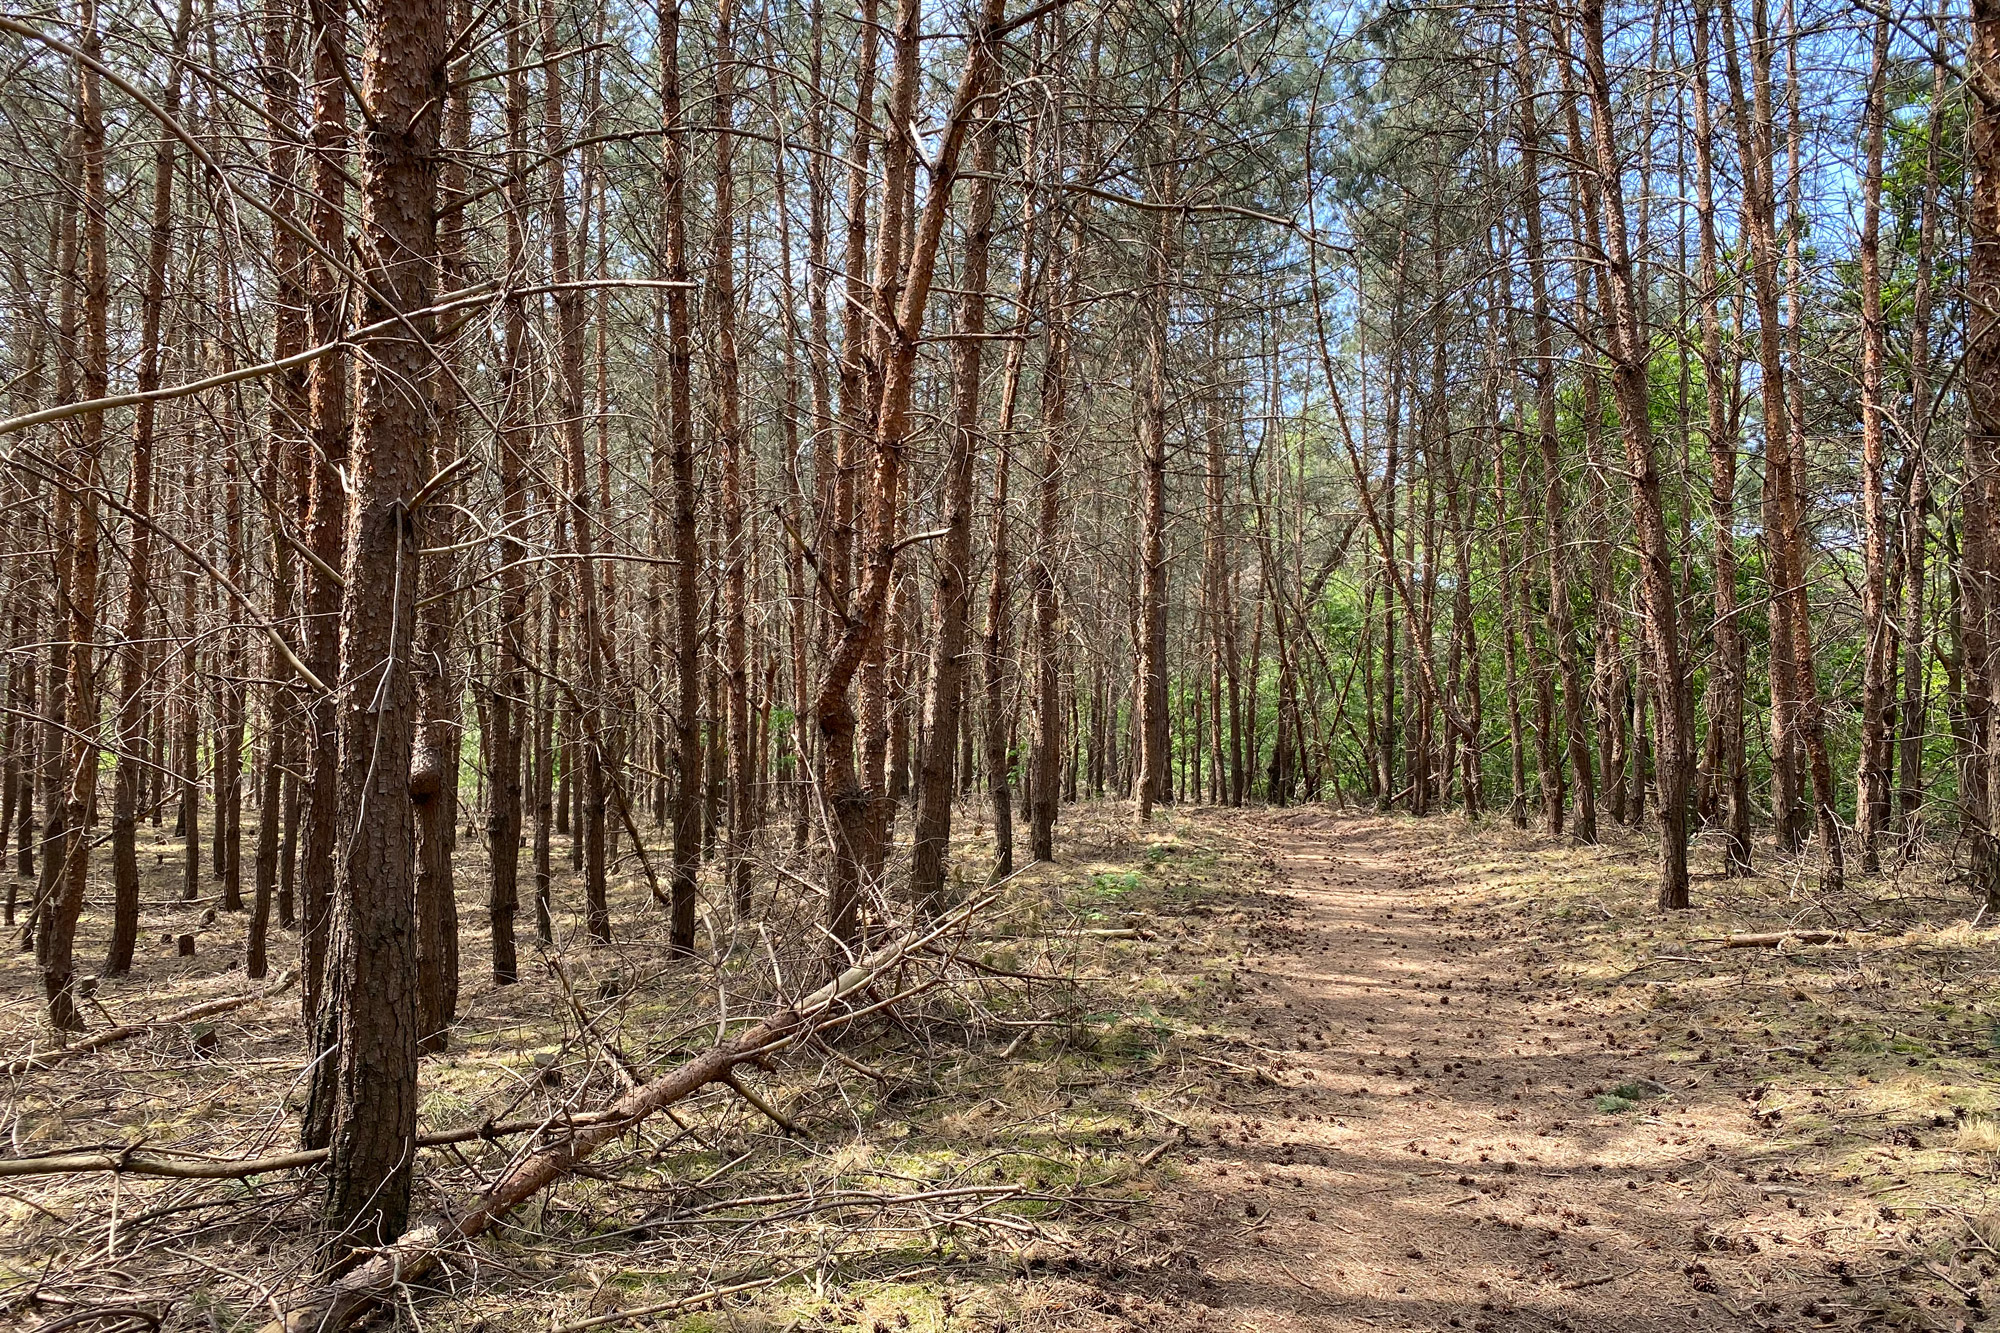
(1982, 434)
(1731, 655)
(1626, 345)
(372, 1001)
(679, 425)
(1872, 779)
(132, 652)
(1561, 617)
(56, 942)
(508, 708)
(326, 524)
(937, 785)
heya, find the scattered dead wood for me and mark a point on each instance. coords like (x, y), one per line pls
(98, 1041)
(330, 1306)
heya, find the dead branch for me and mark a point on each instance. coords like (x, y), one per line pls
(680, 1305)
(1775, 938)
(331, 1306)
(98, 1041)
(130, 1161)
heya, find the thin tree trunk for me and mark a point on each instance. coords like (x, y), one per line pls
(565, 256)
(1872, 781)
(56, 943)
(1730, 668)
(734, 555)
(936, 780)
(1982, 436)
(132, 653)
(327, 411)
(1915, 534)
(1150, 785)
(1561, 617)
(508, 709)
(1628, 351)
(1044, 786)
(435, 757)
(679, 426)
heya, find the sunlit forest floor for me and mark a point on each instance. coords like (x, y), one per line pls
(1235, 1070)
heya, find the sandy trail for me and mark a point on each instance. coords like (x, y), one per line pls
(1434, 1158)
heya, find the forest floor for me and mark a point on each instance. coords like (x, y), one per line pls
(1259, 1070)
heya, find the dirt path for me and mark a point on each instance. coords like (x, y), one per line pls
(1424, 1149)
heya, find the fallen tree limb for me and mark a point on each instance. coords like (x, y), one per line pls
(99, 1040)
(685, 1303)
(1094, 932)
(328, 1307)
(1772, 939)
(130, 1161)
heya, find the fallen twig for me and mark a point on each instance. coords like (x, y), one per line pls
(1771, 939)
(130, 1161)
(98, 1041)
(1584, 1283)
(681, 1305)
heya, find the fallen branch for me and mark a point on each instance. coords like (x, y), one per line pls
(98, 1041)
(1584, 1284)
(1093, 932)
(680, 1306)
(1775, 938)
(130, 1161)
(751, 1095)
(326, 1308)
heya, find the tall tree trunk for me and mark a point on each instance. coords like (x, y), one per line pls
(901, 294)
(1795, 701)
(1044, 785)
(435, 756)
(1982, 433)
(372, 1002)
(734, 555)
(277, 471)
(132, 653)
(1915, 527)
(1561, 618)
(566, 252)
(1872, 782)
(1626, 342)
(1731, 657)
(679, 426)
(936, 780)
(328, 425)
(508, 709)
(1150, 784)
(56, 943)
